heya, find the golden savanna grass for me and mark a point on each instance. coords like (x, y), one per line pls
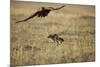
(29, 42)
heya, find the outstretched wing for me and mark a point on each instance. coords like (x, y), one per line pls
(28, 18)
(56, 8)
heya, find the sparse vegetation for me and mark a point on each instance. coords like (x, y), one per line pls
(29, 42)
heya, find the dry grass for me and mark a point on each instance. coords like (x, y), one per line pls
(29, 42)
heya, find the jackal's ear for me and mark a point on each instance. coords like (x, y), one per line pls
(55, 34)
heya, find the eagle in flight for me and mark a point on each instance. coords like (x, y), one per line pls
(41, 13)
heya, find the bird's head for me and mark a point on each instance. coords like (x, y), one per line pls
(43, 8)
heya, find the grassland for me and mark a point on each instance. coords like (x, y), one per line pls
(29, 42)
